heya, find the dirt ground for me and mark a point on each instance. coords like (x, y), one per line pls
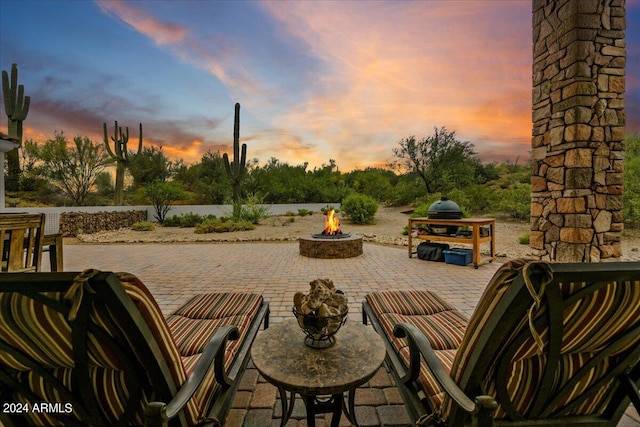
(386, 230)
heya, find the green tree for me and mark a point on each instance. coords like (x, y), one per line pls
(72, 167)
(278, 181)
(441, 161)
(162, 194)
(375, 182)
(208, 179)
(149, 165)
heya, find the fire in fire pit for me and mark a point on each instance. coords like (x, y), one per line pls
(331, 228)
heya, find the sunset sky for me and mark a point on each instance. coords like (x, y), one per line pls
(317, 80)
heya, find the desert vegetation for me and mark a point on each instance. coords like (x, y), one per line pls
(422, 171)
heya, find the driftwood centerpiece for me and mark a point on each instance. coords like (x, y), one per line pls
(320, 313)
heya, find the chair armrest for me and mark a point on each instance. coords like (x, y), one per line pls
(482, 406)
(158, 413)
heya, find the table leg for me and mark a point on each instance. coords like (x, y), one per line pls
(322, 405)
(287, 410)
(410, 240)
(350, 410)
(310, 405)
(492, 230)
(337, 410)
(476, 245)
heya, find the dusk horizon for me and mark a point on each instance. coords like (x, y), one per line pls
(315, 80)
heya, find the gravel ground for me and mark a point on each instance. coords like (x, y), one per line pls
(386, 230)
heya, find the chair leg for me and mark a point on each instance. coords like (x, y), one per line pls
(631, 389)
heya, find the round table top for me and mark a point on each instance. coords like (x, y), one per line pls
(280, 355)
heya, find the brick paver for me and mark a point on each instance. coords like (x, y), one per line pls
(176, 272)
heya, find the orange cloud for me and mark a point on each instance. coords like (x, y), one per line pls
(399, 69)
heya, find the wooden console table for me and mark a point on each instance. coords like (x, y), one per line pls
(475, 240)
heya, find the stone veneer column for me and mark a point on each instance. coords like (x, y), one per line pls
(578, 129)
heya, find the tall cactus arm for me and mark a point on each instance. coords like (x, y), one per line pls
(243, 159)
(125, 152)
(121, 144)
(227, 165)
(236, 133)
(16, 104)
(139, 141)
(7, 91)
(21, 106)
(106, 141)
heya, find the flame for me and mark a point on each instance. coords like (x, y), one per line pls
(331, 224)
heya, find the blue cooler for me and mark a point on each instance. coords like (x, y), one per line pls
(458, 256)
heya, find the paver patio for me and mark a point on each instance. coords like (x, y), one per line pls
(176, 272)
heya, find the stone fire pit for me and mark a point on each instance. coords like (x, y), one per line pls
(328, 248)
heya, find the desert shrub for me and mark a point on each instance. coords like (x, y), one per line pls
(328, 208)
(304, 212)
(143, 226)
(190, 219)
(252, 211)
(162, 194)
(631, 196)
(172, 221)
(185, 220)
(516, 201)
(524, 239)
(360, 208)
(215, 225)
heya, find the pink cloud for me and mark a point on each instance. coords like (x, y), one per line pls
(162, 33)
(402, 68)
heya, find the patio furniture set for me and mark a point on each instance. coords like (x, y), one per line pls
(548, 344)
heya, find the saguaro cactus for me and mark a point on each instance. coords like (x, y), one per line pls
(236, 170)
(121, 155)
(16, 105)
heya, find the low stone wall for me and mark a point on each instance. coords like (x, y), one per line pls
(331, 248)
(74, 223)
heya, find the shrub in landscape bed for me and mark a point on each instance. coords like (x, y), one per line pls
(143, 226)
(214, 225)
(360, 208)
(186, 220)
(172, 221)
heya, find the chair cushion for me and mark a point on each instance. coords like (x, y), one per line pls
(535, 328)
(189, 329)
(37, 327)
(441, 323)
(591, 322)
(193, 324)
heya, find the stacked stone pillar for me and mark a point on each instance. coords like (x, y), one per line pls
(578, 129)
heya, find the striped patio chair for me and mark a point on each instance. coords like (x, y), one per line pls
(548, 344)
(93, 348)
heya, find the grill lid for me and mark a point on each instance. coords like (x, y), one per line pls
(445, 209)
